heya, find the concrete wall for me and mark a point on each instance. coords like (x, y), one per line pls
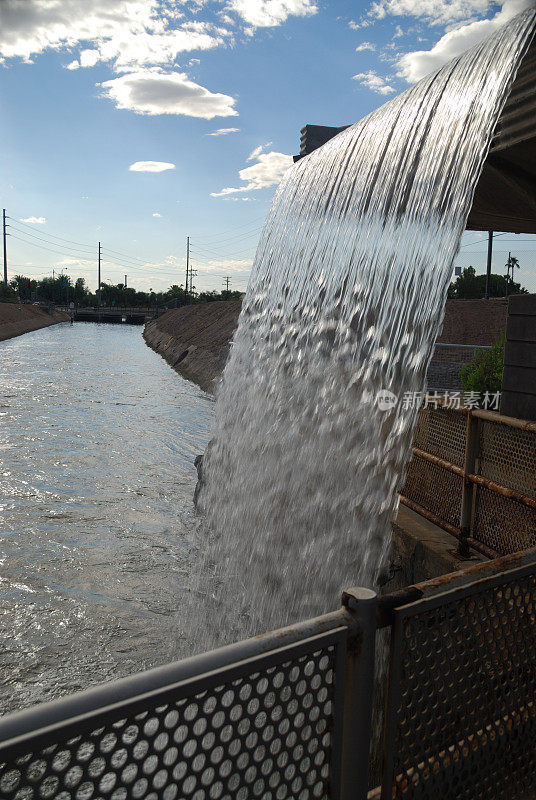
(518, 397)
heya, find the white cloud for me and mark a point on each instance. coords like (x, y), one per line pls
(268, 13)
(156, 214)
(268, 171)
(365, 46)
(257, 151)
(132, 34)
(356, 26)
(223, 131)
(435, 12)
(34, 220)
(374, 82)
(129, 33)
(414, 66)
(88, 58)
(230, 264)
(155, 92)
(151, 166)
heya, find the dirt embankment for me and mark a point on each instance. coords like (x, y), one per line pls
(17, 319)
(194, 340)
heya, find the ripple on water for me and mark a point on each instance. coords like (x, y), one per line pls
(96, 486)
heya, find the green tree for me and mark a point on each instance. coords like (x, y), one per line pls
(80, 292)
(470, 286)
(484, 373)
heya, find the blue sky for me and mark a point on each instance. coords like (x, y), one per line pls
(141, 122)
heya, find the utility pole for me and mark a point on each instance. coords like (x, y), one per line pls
(125, 281)
(193, 273)
(507, 273)
(5, 248)
(187, 268)
(488, 267)
(227, 281)
(99, 291)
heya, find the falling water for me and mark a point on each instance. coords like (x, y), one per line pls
(345, 302)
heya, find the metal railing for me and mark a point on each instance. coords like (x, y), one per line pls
(288, 714)
(461, 714)
(281, 715)
(447, 361)
(473, 473)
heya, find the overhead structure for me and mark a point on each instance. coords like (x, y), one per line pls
(505, 196)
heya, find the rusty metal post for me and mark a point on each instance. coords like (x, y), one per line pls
(471, 453)
(358, 691)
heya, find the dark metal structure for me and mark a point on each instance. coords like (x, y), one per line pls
(505, 197)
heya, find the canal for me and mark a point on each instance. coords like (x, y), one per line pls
(97, 441)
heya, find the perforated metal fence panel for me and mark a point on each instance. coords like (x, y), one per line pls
(503, 455)
(441, 432)
(508, 456)
(435, 489)
(461, 721)
(503, 524)
(266, 727)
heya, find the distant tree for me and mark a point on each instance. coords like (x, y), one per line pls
(470, 286)
(80, 292)
(7, 293)
(484, 373)
(61, 289)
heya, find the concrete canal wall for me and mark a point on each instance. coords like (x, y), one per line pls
(17, 319)
(194, 340)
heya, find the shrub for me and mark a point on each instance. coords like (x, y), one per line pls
(484, 373)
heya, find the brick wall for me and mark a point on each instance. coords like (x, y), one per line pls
(474, 321)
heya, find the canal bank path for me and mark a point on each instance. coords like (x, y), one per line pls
(97, 442)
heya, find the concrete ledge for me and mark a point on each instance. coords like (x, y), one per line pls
(421, 551)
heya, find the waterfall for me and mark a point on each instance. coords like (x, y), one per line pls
(314, 417)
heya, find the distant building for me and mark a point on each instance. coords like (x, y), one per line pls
(314, 136)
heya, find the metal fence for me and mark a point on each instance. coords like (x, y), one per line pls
(280, 716)
(473, 473)
(447, 362)
(288, 714)
(461, 713)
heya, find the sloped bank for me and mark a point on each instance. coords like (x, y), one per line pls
(17, 319)
(194, 340)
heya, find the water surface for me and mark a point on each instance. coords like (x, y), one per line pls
(97, 441)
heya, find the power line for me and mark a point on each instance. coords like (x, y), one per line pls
(240, 237)
(52, 235)
(42, 247)
(236, 228)
(42, 239)
(125, 255)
